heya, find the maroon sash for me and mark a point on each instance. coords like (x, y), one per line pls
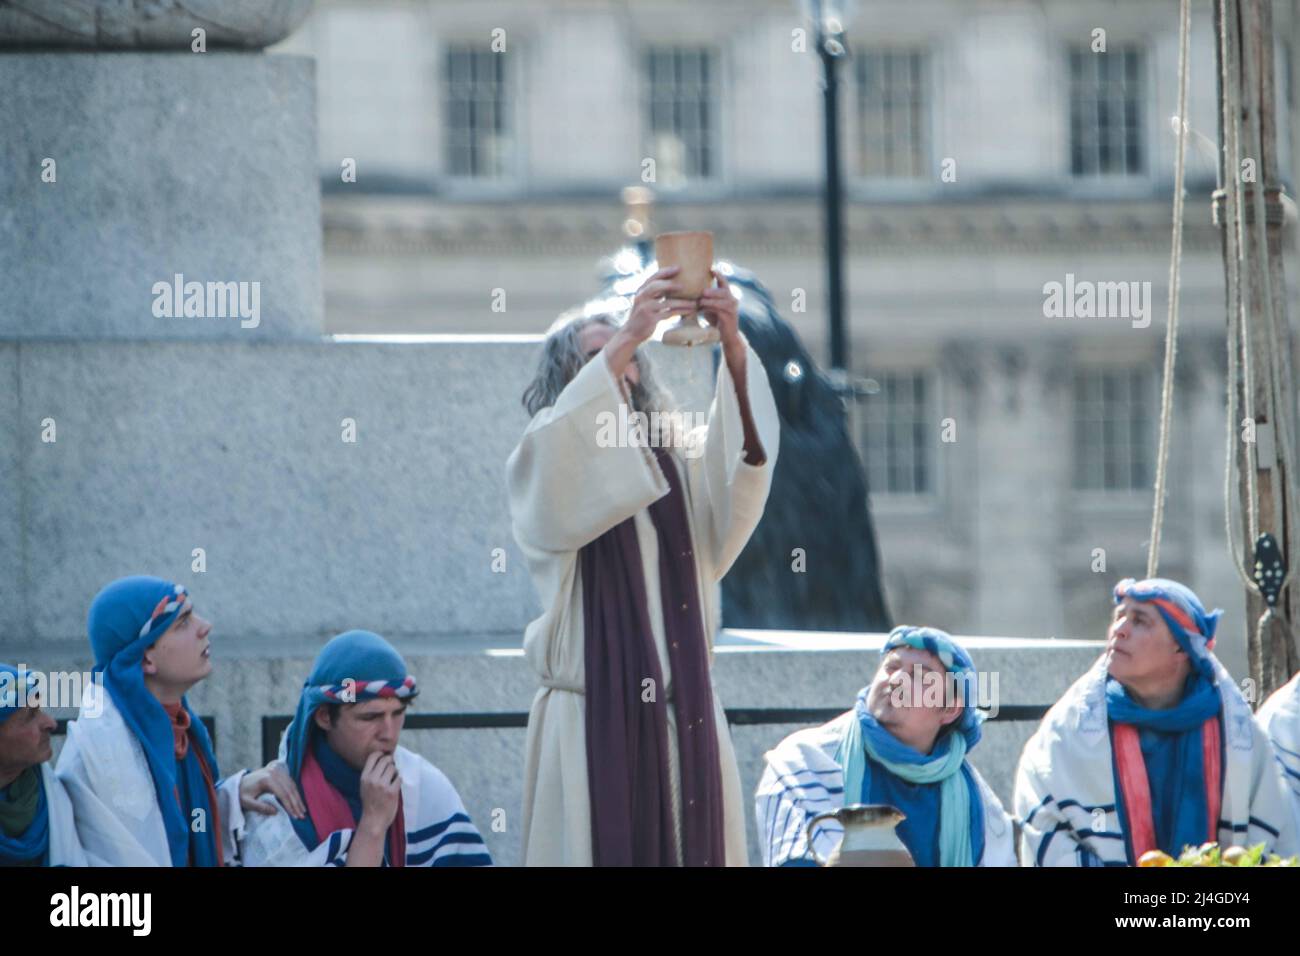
(627, 736)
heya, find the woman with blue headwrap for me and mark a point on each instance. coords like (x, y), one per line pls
(1154, 749)
(904, 744)
(36, 825)
(138, 764)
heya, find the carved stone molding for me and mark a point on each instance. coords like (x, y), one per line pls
(147, 24)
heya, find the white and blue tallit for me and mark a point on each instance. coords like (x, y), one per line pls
(1280, 718)
(802, 780)
(1065, 783)
(111, 790)
(438, 829)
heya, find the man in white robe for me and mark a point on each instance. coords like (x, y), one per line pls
(36, 825)
(1280, 718)
(902, 732)
(1154, 748)
(569, 486)
(138, 765)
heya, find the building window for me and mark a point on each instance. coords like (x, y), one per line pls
(1106, 96)
(477, 124)
(898, 434)
(1114, 429)
(892, 113)
(682, 84)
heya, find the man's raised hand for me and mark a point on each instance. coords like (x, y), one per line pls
(653, 303)
(720, 308)
(381, 788)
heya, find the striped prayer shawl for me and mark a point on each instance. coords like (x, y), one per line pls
(802, 779)
(1280, 718)
(439, 831)
(450, 842)
(1065, 790)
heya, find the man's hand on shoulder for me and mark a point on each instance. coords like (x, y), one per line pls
(273, 779)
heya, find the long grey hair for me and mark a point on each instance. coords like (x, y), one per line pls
(563, 356)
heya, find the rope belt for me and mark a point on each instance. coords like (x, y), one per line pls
(555, 683)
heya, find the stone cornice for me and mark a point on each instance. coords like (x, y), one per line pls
(115, 25)
(370, 224)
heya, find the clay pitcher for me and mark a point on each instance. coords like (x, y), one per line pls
(869, 837)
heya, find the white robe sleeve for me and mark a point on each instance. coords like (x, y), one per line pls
(567, 481)
(735, 492)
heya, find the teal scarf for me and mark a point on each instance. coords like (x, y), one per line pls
(24, 821)
(865, 737)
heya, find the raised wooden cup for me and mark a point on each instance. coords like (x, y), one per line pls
(693, 252)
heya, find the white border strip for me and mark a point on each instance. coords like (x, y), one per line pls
(437, 338)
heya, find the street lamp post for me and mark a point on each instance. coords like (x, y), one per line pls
(828, 19)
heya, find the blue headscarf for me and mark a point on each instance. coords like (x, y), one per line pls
(1190, 624)
(126, 619)
(34, 842)
(955, 660)
(16, 690)
(353, 667)
(960, 809)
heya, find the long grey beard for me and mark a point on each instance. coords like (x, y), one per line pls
(670, 431)
(640, 399)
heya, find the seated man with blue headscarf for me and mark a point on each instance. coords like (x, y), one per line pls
(36, 825)
(904, 744)
(138, 764)
(369, 801)
(1153, 749)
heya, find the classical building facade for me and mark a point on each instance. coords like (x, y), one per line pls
(472, 154)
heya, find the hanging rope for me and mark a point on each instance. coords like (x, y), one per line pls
(1231, 108)
(1171, 321)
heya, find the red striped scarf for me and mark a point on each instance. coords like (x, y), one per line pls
(329, 810)
(180, 719)
(1131, 769)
